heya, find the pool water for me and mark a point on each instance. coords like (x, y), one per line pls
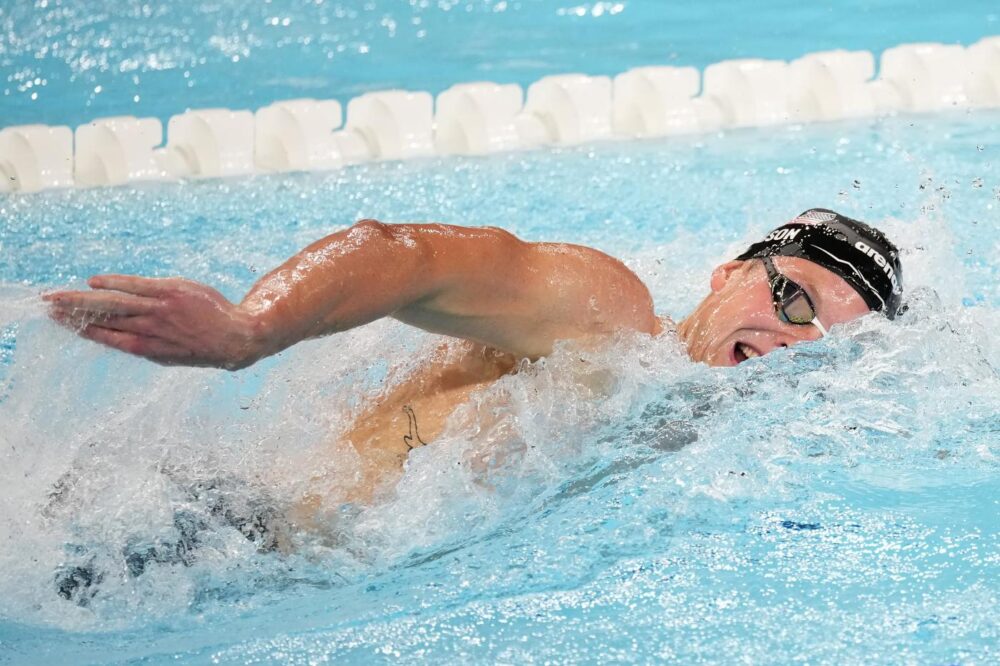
(834, 503)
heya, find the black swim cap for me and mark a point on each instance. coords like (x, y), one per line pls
(860, 254)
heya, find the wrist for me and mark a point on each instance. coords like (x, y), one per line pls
(250, 341)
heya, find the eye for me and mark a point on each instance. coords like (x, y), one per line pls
(798, 310)
(810, 293)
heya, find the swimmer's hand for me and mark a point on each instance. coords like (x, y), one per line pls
(171, 321)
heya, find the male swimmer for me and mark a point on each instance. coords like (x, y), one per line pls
(507, 298)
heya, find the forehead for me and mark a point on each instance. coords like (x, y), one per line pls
(836, 300)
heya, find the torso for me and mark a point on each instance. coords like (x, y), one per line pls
(411, 414)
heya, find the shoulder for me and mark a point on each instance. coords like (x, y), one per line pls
(600, 284)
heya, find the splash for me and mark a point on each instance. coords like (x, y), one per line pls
(144, 491)
(620, 487)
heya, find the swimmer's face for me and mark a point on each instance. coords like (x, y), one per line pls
(738, 321)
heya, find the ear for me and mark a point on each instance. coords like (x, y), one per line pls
(723, 273)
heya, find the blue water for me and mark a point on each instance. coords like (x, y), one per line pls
(837, 503)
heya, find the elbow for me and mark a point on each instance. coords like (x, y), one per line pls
(398, 246)
(393, 236)
(387, 242)
(369, 228)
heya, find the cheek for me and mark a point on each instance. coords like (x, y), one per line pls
(733, 311)
(746, 308)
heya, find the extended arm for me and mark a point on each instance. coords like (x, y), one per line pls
(481, 284)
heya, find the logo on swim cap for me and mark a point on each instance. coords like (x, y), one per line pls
(815, 217)
(881, 262)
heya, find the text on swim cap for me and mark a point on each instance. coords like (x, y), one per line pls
(782, 235)
(882, 263)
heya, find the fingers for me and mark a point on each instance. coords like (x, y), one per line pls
(132, 284)
(69, 318)
(78, 320)
(100, 302)
(120, 340)
(152, 348)
(113, 295)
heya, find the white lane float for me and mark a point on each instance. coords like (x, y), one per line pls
(478, 118)
(831, 85)
(484, 117)
(659, 101)
(297, 135)
(923, 77)
(118, 150)
(567, 109)
(983, 81)
(209, 143)
(387, 125)
(749, 92)
(35, 157)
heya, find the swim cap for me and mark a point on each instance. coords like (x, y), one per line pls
(860, 254)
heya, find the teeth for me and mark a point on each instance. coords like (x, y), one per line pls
(747, 351)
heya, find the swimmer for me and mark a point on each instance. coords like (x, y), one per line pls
(507, 299)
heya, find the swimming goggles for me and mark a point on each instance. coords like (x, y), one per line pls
(791, 302)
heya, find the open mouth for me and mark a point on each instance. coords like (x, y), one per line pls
(742, 351)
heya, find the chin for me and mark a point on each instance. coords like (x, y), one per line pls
(716, 358)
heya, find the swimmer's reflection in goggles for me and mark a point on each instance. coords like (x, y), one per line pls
(791, 302)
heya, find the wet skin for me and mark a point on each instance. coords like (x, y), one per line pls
(506, 298)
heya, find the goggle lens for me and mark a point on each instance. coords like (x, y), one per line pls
(791, 302)
(797, 309)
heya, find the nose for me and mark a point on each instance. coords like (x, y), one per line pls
(795, 333)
